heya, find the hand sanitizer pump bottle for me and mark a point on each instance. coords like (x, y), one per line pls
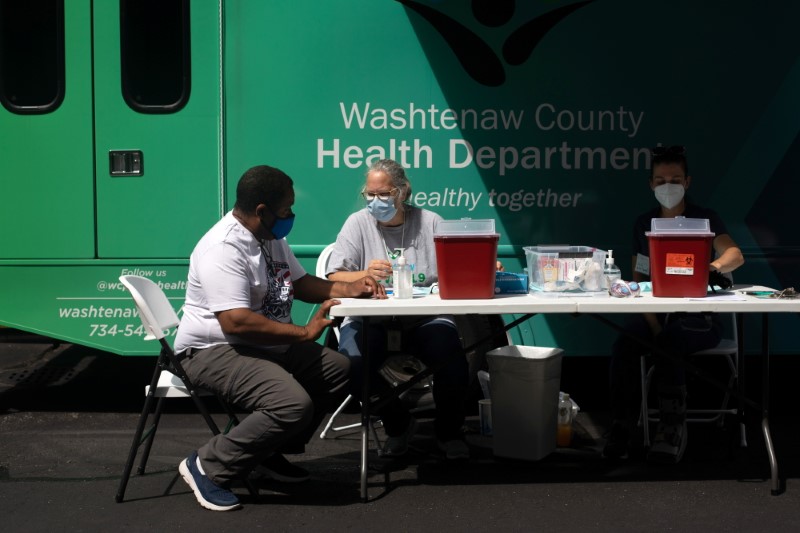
(402, 278)
(611, 273)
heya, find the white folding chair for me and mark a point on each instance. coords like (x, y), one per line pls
(322, 260)
(728, 348)
(322, 265)
(333, 339)
(168, 381)
(472, 329)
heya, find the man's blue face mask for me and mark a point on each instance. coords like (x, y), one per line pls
(281, 226)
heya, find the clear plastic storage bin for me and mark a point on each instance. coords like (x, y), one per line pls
(561, 268)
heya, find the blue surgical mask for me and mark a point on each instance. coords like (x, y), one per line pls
(281, 227)
(382, 210)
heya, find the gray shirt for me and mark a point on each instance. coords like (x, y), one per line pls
(361, 240)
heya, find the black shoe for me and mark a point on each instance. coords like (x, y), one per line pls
(670, 440)
(277, 467)
(398, 446)
(668, 444)
(617, 442)
(454, 449)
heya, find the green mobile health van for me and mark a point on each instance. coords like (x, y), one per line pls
(125, 126)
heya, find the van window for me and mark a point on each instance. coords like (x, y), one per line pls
(155, 54)
(32, 56)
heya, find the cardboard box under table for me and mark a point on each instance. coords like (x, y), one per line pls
(680, 255)
(466, 258)
(524, 384)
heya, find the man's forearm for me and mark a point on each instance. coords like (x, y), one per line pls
(313, 289)
(258, 329)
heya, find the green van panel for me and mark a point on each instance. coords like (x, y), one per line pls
(47, 180)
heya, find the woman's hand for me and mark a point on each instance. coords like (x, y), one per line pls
(379, 269)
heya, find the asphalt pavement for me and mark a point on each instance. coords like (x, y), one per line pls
(67, 417)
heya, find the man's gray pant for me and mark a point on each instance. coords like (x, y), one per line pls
(288, 393)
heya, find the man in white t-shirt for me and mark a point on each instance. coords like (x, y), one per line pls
(236, 339)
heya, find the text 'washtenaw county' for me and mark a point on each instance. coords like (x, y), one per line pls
(546, 117)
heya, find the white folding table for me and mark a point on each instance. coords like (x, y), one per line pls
(594, 305)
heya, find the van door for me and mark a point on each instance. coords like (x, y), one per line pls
(46, 155)
(157, 126)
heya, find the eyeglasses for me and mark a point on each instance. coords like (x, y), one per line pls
(668, 150)
(383, 196)
(785, 293)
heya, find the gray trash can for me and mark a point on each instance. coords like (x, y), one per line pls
(525, 381)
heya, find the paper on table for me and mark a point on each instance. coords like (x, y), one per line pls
(731, 296)
(417, 291)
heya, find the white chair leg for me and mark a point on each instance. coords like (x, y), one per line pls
(329, 426)
(644, 416)
(333, 418)
(727, 396)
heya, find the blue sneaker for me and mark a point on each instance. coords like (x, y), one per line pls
(207, 493)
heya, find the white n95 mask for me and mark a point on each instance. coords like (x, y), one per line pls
(669, 194)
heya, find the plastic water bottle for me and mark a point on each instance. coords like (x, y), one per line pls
(564, 434)
(610, 273)
(403, 288)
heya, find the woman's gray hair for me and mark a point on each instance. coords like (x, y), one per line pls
(396, 173)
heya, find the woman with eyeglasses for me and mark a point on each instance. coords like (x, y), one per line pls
(369, 243)
(679, 334)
